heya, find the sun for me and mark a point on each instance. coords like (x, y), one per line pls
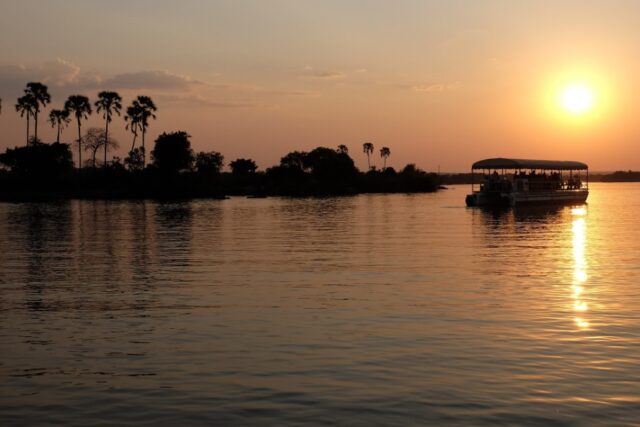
(577, 99)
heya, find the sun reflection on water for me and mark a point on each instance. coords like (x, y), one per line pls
(580, 306)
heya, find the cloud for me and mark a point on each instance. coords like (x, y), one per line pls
(201, 101)
(69, 77)
(158, 80)
(60, 73)
(325, 75)
(64, 78)
(57, 73)
(310, 73)
(328, 75)
(434, 87)
(253, 91)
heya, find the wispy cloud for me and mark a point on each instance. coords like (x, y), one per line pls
(65, 78)
(323, 75)
(434, 87)
(311, 73)
(202, 101)
(163, 80)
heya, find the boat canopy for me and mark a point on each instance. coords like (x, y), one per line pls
(502, 163)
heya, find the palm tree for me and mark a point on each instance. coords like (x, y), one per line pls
(26, 106)
(40, 94)
(59, 118)
(384, 153)
(342, 149)
(132, 117)
(108, 103)
(367, 148)
(147, 111)
(80, 106)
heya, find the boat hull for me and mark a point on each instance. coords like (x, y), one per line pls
(480, 198)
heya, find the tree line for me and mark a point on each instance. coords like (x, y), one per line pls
(109, 104)
(175, 170)
(137, 116)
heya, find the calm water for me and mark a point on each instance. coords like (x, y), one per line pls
(369, 310)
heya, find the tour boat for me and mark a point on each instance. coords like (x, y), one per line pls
(511, 182)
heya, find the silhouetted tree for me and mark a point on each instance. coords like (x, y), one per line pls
(384, 153)
(342, 149)
(38, 160)
(108, 103)
(26, 106)
(81, 108)
(294, 160)
(210, 162)
(40, 94)
(172, 152)
(367, 148)
(96, 138)
(334, 172)
(322, 160)
(329, 172)
(132, 117)
(134, 161)
(243, 166)
(116, 164)
(147, 111)
(410, 169)
(59, 119)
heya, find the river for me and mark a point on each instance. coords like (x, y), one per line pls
(365, 310)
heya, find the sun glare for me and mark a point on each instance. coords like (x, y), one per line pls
(577, 99)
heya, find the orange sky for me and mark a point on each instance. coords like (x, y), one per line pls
(440, 83)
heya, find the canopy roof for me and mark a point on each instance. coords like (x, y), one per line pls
(502, 163)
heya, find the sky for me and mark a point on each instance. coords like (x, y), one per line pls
(441, 83)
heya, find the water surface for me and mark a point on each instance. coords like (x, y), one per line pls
(367, 310)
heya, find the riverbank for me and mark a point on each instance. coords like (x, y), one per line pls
(120, 184)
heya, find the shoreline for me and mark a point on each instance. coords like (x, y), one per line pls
(48, 197)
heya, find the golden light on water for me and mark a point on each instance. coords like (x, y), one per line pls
(580, 306)
(578, 211)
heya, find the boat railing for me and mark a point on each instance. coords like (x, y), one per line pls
(531, 182)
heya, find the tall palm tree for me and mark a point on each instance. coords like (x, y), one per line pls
(108, 103)
(147, 111)
(80, 106)
(132, 117)
(40, 94)
(342, 149)
(384, 153)
(367, 148)
(25, 105)
(59, 119)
